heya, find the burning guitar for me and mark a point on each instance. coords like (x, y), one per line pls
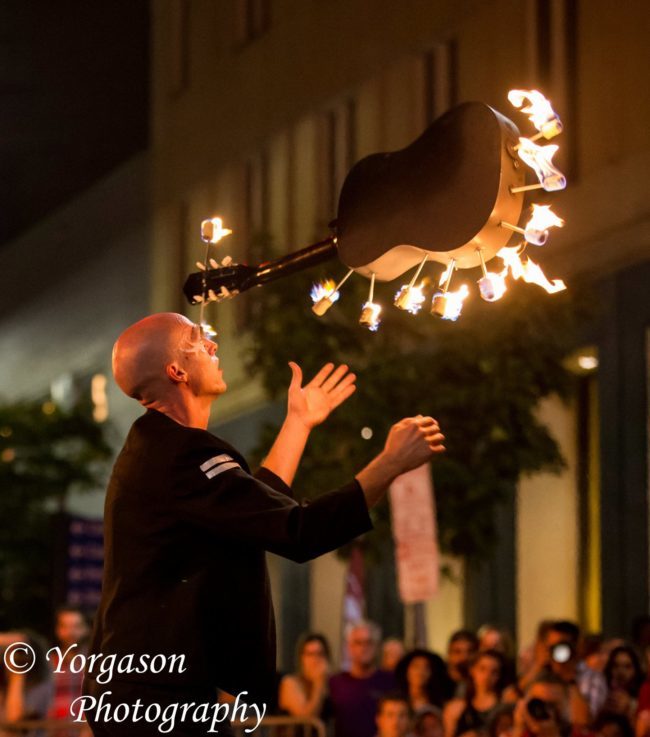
(454, 196)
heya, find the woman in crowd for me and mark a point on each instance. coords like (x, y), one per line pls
(422, 679)
(304, 693)
(484, 694)
(624, 677)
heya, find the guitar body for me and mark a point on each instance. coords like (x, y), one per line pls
(445, 195)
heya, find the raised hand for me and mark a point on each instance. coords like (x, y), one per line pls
(312, 403)
(413, 441)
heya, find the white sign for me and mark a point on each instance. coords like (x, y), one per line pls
(414, 531)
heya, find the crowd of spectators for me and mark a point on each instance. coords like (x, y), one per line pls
(561, 685)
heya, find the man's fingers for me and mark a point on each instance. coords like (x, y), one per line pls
(343, 385)
(296, 374)
(334, 378)
(434, 439)
(340, 397)
(322, 375)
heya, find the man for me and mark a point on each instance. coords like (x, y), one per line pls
(461, 649)
(392, 651)
(392, 716)
(587, 687)
(187, 527)
(545, 711)
(72, 631)
(355, 693)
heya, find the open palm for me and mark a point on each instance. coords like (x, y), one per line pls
(312, 403)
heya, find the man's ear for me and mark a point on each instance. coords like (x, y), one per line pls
(177, 374)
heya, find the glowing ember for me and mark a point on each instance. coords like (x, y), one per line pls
(539, 111)
(207, 330)
(528, 270)
(370, 316)
(448, 305)
(539, 159)
(325, 288)
(410, 299)
(492, 286)
(212, 230)
(543, 218)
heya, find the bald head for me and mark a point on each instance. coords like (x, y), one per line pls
(144, 350)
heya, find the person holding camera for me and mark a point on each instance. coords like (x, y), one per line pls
(545, 710)
(587, 688)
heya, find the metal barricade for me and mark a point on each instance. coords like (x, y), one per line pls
(274, 726)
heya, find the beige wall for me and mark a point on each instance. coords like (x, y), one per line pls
(547, 533)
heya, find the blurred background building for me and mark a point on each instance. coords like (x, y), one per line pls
(257, 109)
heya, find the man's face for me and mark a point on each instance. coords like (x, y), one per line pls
(199, 357)
(553, 695)
(70, 629)
(393, 719)
(362, 647)
(459, 654)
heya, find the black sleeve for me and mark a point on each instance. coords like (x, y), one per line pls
(266, 476)
(213, 492)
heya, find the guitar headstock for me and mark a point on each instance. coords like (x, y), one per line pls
(216, 285)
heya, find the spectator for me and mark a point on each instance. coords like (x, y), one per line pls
(545, 710)
(24, 695)
(612, 725)
(491, 637)
(392, 651)
(392, 716)
(355, 693)
(462, 647)
(641, 632)
(304, 693)
(71, 629)
(422, 679)
(560, 657)
(592, 651)
(485, 686)
(428, 722)
(624, 677)
(533, 659)
(501, 721)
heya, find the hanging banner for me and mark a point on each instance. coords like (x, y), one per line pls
(415, 534)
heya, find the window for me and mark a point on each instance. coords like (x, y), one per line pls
(179, 77)
(554, 39)
(440, 80)
(253, 18)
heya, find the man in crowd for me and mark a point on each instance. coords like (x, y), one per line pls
(187, 527)
(392, 717)
(72, 631)
(587, 687)
(356, 693)
(461, 649)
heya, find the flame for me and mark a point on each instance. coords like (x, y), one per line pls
(450, 304)
(410, 298)
(492, 286)
(370, 315)
(212, 230)
(447, 273)
(539, 111)
(543, 218)
(528, 270)
(207, 330)
(325, 288)
(539, 159)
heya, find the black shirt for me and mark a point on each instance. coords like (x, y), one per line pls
(186, 528)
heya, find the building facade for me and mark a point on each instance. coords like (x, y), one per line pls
(260, 107)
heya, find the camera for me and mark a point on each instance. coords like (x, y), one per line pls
(537, 710)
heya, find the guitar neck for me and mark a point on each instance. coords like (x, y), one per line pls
(291, 263)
